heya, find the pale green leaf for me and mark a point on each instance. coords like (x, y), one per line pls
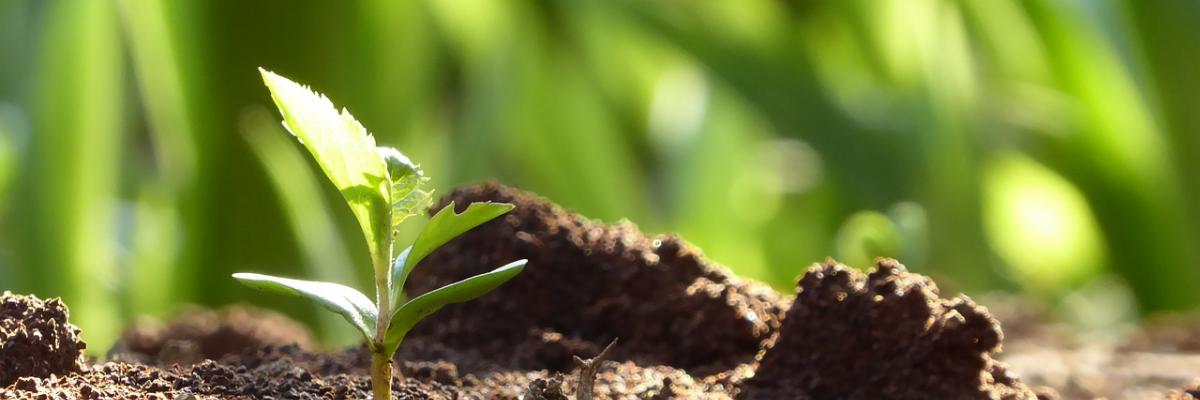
(343, 149)
(444, 225)
(341, 299)
(409, 195)
(396, 290)
(417, 309)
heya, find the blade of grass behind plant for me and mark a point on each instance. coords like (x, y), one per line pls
(948, 147)
(554, 128)
(872, 168)
(1173, 84)
(76, 155)
(396, 80)
(16, 24)
(324, 254)
(1120, 161)
(170, 189)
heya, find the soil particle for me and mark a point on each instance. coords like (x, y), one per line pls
(546, 389)
(1191, 393)
(35, 339)
(886, 334)
(275, 374)
(1167, 333)
(1103, 372)
(587, 283)
(198, 334)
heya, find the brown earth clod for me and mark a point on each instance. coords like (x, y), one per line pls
(887, 334)
(36, 339)
(588, 282)
(196, 334)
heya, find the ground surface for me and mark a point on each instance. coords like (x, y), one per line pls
(686, 328)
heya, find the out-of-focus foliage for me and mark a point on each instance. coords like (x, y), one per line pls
(1033, 145)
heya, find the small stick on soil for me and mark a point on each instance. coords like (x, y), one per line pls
(587, 372)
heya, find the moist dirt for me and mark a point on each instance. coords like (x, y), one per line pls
(685, 328)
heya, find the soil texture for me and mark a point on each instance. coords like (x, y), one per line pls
(35, 339)
(685, 328)
(197, 334)
(889, 335)
(587, 283)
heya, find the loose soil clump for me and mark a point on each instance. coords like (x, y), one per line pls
(36, 339)
(586, 284)
(889, 335)
(197, 334)
(687, 329)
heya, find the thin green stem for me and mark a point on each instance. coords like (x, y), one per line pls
(381, 375)
(381, 362)
(382, 294)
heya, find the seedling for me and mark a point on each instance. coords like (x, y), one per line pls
(382, 188)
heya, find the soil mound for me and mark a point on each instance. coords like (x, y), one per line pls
(587, 283)
(35, 339)
(197, 334)
(886, 334)
(687, 329)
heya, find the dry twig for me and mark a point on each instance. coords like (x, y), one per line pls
(587, 372)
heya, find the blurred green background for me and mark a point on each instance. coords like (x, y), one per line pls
(1042, 147)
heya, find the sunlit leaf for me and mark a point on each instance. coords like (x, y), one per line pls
(414, 311)
(344, 300)
(343, 149)
(409, 195)
(444, 225)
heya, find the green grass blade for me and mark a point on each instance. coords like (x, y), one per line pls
(414, 311)
(1119, 158)
(310, 216)
(75, 167)
(168, 195)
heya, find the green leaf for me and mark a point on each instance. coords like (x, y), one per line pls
(444, 225)
(344, 150)
(341, 299)
(396, 291)
(408, 194)
(414, 311)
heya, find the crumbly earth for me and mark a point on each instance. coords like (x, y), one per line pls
(889, 335)
(35, 338)
(687, 328)
(197, 334)
(587, 283)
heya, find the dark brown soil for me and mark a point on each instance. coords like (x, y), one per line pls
(35, 339)
(587, 283)
(197, 334)
(889, 335)
(687, 328)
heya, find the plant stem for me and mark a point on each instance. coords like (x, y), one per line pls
(381, 363)
(381, 360)
(383, 303)
(381, 375)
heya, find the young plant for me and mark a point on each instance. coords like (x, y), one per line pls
(382, 188)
